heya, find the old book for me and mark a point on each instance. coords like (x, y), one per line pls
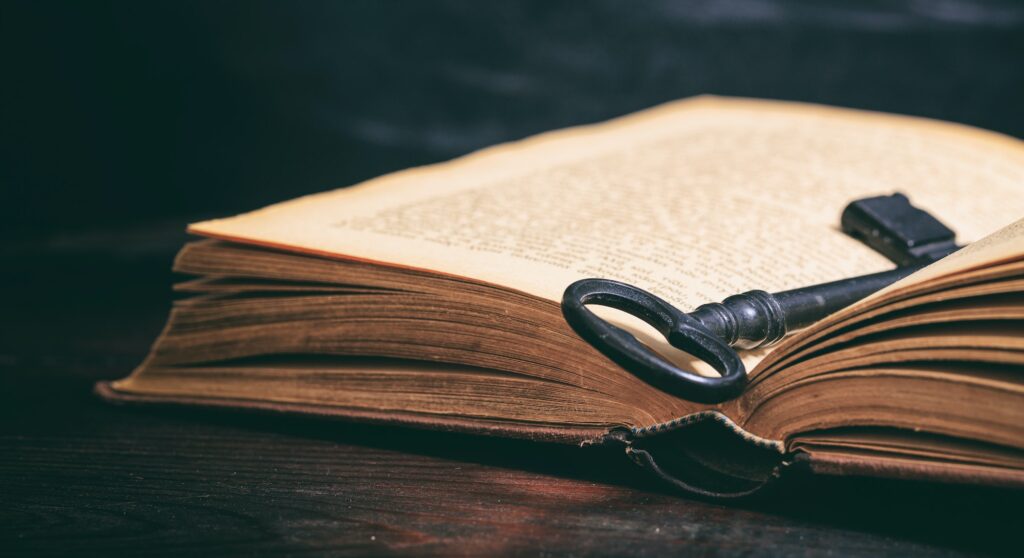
(429, 297)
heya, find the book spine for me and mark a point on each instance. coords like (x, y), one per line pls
(765, 443)
(705, 454)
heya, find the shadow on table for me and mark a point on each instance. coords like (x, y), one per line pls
(965, 517)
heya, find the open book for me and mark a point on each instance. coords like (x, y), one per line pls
(429, 297)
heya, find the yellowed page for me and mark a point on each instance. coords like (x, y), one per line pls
(694, 200)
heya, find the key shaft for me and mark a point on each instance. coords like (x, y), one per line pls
(758, 319)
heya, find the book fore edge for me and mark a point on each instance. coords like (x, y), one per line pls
(646, 431)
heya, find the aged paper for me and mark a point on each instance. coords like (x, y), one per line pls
(694, 200)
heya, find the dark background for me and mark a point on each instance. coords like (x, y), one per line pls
(124, 112)
(123, 121)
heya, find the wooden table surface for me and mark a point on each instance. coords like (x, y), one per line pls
(80, 476)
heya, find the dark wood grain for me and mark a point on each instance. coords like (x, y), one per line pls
(80, 476)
